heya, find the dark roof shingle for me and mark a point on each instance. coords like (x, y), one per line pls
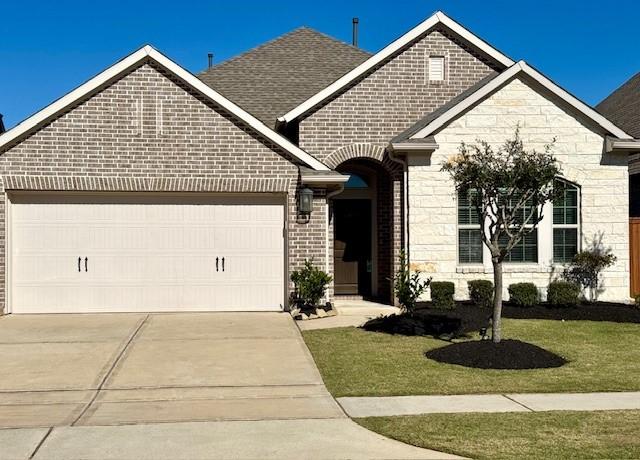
(622, 107)
(275, 77)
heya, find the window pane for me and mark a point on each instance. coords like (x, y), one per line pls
(467, 213)
(525, 251)
(565, 205)
(469, 246)
(565, 244)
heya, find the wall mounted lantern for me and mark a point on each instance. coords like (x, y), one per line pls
(305, 201)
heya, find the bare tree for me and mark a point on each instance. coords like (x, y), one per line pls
(508, 188)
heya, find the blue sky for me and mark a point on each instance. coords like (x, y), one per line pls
(48, 48)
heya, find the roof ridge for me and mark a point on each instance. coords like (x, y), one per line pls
(276, 39)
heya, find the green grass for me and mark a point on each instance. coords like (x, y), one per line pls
(602, 356)
(539, 436)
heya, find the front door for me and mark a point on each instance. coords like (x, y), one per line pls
(352, 247)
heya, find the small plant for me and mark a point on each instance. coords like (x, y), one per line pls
(563, 294)
(481, 293)
(408, 286)
(310, 284)
(637, 300)
(586, 266)
(442, 294)
(524, 294)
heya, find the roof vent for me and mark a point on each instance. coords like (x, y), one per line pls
(2, 128)
(354, 41)
(210, 56)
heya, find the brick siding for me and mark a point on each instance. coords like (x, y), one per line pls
(149, 132)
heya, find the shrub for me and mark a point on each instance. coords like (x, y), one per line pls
(585, 268)
(563, 294)
(637, 300)
(442, 294)
(408, 286)
(481, 293)
(524, 294)
(310, 284)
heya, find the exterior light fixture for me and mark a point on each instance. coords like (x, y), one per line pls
(305, 201)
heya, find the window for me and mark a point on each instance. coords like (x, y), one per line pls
(355, 181)
(566, 207)
(469, 228)
(436, 68)
(525, 251)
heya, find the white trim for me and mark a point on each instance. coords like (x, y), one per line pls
(613, 144)
(132, 60)
(413, 146)
(328, 179)
(511, 72)
(437, 18)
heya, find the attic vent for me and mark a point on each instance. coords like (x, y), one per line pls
(436, 68)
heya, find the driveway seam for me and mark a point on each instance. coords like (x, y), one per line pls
(39, 445)
(110, 369)
(518, 403)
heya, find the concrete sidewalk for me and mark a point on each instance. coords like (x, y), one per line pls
(532, 402)
(272, 439)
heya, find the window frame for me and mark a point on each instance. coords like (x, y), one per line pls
(575, 226)
(460, 227)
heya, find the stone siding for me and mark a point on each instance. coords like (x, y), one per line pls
(603, 179)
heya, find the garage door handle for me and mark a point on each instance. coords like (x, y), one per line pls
(216, 264)
(86, 259)
(79, 262)
(223, 264)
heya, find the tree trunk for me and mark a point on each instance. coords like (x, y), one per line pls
(496, 329)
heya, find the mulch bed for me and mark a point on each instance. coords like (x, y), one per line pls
(473, 317)
(467, 318)
(508, 354)
(437, 324)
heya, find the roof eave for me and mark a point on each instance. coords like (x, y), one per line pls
(614, 144)
(520, 67)
(413, 147)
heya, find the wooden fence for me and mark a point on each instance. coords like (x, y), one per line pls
(634, 254)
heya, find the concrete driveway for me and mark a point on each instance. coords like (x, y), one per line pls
(200, 385)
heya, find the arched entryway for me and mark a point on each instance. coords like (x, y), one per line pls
(363, 232)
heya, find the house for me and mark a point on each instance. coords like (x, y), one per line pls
(148, 188)
(623, 108)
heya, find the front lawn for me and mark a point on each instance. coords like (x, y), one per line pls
(540, 436)
(603, 356)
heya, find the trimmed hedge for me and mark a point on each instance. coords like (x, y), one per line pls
(524, 294)
(442, 294)
(563, 294)
(481, 293)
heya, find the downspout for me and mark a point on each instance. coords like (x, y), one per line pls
(405, 200)
(326, 240)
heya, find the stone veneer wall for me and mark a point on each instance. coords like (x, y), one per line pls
(149, 132)
(603, 179)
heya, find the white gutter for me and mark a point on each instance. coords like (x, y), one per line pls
(616, 144)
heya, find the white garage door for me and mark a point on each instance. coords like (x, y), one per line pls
(121, 253)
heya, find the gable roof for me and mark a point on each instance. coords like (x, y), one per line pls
(439, 18)
(275, 77)
(121, 67)
(623, 106)
(420, 124)
(441, 117)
